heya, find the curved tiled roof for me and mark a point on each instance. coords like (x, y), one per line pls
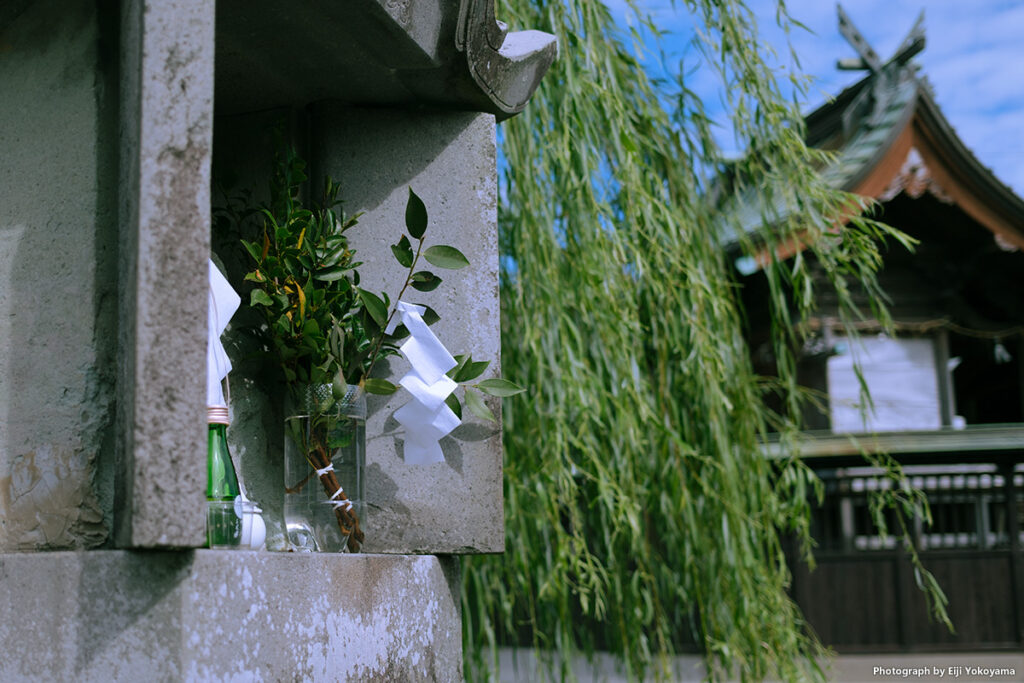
(871, 127)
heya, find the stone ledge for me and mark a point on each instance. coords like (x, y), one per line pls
(203, 615)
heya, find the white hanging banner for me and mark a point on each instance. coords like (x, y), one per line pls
(223, 302)
(426, 418)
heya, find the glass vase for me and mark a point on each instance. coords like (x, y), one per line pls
(324, 457)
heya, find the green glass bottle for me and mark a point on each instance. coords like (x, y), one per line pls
(224, 525)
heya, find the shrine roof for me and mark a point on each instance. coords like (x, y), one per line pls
(888, 135)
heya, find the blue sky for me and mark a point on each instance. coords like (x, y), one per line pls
(974, 58)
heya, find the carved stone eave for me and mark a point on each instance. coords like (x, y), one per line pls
(404, 53)
(506, 66)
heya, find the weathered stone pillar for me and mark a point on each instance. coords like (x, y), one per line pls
(58, 273)
(167, 51)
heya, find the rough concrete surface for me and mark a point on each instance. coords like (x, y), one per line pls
(448, 159)
(58, 237)
(209, 615)
(167, 51)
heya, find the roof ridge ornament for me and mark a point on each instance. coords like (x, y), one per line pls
(868, 59)
(912, 44)
(870, 101)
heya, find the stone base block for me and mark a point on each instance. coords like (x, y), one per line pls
(207, 615)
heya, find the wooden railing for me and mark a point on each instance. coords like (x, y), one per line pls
(863, 596)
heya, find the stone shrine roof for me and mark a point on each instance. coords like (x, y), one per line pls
(448, 53)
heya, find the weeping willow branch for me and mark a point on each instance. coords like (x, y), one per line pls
(641, 517)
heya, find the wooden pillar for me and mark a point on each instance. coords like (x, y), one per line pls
(947, 399)
(1006, 468)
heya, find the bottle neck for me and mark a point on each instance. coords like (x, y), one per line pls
(221, 481)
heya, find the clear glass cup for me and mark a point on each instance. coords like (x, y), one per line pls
(230, 524)
(324, 449)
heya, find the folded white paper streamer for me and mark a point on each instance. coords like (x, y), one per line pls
(426, 418)
(223, 302)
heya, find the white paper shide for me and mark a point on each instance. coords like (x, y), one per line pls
(426, 418)
(223, 302)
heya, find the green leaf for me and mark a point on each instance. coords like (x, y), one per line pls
(270, 216)
(370, 326)
(336, 340)
(311, 328)
(499, 387)
(253, 250)
(339, 386)
(293, 265)
(374, 306)
(381, 387)
(323, 405)
(476, 405)
(314, 297)
(261, 298)
(453, 402)
(403, 252)
(415, 216)
(330, 274)
(472, 370)
(429, 316)
(351, 220)
(460, 362)
(425, 281)
(444, 256)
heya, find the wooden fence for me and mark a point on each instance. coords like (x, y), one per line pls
(864, 595)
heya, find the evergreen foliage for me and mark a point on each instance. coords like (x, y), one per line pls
(641, 514)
